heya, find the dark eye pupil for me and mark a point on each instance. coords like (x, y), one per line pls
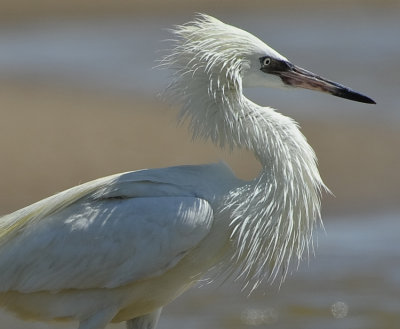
(267, 61)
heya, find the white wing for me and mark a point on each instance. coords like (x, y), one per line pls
(108, 232)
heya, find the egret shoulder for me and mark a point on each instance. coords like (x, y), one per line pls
(206, 181)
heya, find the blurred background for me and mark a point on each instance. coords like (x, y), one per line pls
(79, 100)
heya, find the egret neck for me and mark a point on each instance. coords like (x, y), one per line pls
(271, 217)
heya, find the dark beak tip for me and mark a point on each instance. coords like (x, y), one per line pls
(371, 101)
(354, 96)
(367, 100)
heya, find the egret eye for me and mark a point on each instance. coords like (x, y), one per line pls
(266, 61)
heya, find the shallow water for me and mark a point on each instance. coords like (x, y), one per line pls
(352, 282)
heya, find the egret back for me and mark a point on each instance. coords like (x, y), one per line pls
(127, 227)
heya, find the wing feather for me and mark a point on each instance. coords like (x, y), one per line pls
(111, 231)
(93, 238)
(12, 224)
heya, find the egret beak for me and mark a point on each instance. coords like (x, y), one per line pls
(297, 77)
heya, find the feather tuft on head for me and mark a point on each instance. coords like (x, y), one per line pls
(208, 60)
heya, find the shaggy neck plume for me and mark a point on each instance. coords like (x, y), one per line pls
(271, 217)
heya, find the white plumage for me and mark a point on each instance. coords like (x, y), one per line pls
(121, 247)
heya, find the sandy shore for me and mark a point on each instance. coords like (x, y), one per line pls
(52, 138)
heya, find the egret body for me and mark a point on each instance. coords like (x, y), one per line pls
(121, 247)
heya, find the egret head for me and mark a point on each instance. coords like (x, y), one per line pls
(227, 58)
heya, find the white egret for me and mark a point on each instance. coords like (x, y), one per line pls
(122, 247)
